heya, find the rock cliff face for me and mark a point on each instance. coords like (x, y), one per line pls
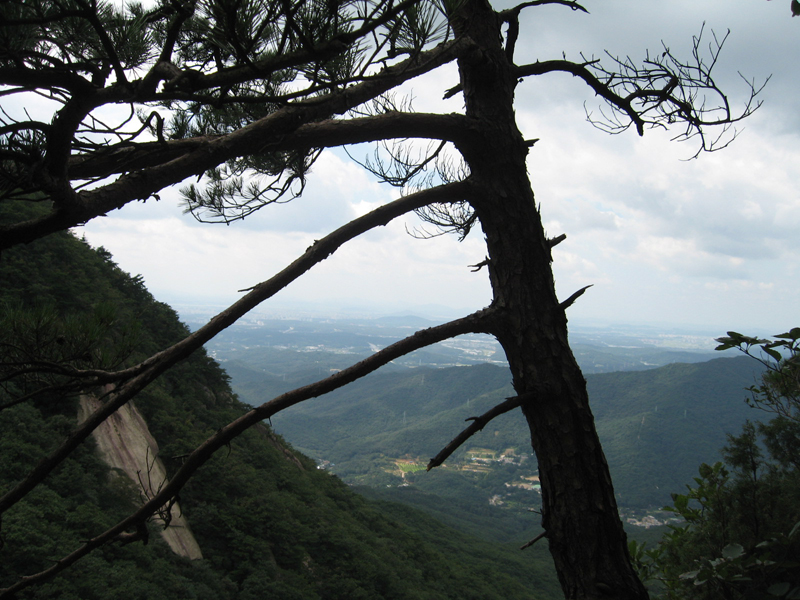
(125, 443)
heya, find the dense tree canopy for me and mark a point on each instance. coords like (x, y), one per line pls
(234, 99)
(741, 536)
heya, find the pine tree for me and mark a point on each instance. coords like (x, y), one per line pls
(239, 97)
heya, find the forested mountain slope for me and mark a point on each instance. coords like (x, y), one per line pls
(269, 524)
(656, 426)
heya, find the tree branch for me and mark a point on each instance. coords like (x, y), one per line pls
(660, 92)
(533, 541)
(323, 51)
(569, 301)
(478, 322)
(477, 424)
(283, 124)
(582, 71)
(28, 79)
(519, 7)
(327, 133)
(131, 381)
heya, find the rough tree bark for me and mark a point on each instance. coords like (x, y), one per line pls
(580, 515)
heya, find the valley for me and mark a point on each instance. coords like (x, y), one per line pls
(660, 410)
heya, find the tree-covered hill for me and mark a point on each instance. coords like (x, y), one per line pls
(656, 426)
(269, 523)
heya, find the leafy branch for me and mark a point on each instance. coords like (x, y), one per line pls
(779, 391)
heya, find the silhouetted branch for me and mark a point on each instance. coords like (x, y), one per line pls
(478, 322)
(511, 17)
(533, 541)
(132, 380)
(519, 7)
(569, 301)
(661, 92)
(477, 424)
(279, 131)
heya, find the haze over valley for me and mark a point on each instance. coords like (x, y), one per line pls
(663, 400)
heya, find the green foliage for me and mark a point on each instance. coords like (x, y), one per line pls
(499, 539)
(41, 351)
(727, 548)
(779, 391)
(269, 523)
(741, 538)
(199, 69)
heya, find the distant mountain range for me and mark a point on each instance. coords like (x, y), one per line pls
(656, 425)
(268, 345)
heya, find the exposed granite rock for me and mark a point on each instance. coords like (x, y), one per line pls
(125, 443)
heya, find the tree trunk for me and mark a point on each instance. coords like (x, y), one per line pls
(580, 515)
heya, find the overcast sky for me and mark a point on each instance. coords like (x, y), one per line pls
(709, 243)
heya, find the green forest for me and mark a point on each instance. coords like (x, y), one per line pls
(269, 523)
(656, 426)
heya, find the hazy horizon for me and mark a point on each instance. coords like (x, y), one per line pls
(706, 244)
(678, 336)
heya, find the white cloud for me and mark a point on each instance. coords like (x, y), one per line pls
(706, 241)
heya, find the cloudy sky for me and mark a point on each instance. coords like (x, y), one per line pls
(708, 244)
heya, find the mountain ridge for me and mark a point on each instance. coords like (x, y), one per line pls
(656, 426)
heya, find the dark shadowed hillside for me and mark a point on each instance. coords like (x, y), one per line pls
(657, 426)
(268, 522)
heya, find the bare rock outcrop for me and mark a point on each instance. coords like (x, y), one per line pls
(125, 443)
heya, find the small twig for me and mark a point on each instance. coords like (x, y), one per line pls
(452, 92)
(533, 541)
(141, 533)
(479, 266)
(569, 301)
(569, 3)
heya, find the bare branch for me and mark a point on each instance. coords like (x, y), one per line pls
(477, 424)
(479, 322)
(519, 7)
(131, 381)
(663, 91)
(569, 301)
(452, 217)
(527, 545)
(399, 162)
(478, 266)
